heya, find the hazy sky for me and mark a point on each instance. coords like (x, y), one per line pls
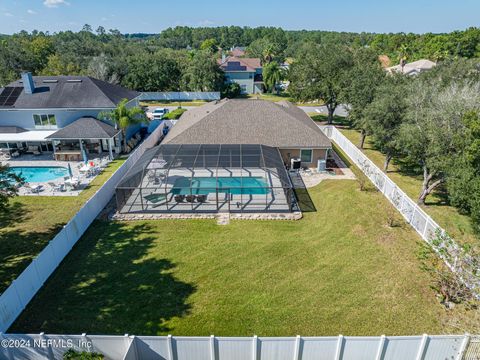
(152, 16)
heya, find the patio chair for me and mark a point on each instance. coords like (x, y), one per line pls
(202, 198)
(179, 198)
(190, 198)
(57, 187)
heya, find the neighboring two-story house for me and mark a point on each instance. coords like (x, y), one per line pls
(59, 114)
(247, 72)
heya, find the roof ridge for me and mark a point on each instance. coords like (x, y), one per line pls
(94, 82)
(215, 105)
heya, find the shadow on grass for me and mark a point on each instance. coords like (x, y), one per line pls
(18, 247)
(108, 284)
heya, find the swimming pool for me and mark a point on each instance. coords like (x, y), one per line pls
(40, 173)
(232, 185)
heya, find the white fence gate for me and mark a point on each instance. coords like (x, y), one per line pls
(454, 256)
(23, 289)
(36, 347)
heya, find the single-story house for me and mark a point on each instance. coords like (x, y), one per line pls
(58, 114)
(247, 72)
(229, 155)
(413, 68)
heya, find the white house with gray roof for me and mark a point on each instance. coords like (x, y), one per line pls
(35, 110)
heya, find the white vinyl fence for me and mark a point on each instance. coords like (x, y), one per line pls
(179, 96)
(36, 347)
(454, 256)
(22, 290)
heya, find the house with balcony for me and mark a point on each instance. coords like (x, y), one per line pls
(247, 72)
(59, 114)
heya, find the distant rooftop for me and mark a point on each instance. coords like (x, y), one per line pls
(52, 92)
(238, 121)
(413, 67)
(233, 63)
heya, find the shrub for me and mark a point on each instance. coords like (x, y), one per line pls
(231, 91)
(175, 114)
(71, 354)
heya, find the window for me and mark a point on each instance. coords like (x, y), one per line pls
(45, 121)
(243, 88)
(306, 155)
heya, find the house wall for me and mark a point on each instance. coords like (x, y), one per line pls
(64, 117)
(295, 153)
(241, 78)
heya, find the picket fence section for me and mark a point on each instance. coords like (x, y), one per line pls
(16, 297)
(42, 346)
(179, 96)
(454, 256)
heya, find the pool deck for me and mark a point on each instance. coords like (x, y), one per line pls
(46, 160)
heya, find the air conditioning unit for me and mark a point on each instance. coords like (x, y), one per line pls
(321, 165)
(295, 163)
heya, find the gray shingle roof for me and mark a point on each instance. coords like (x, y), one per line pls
(236, 121)
(85, 128)
(11, 130)
(71, 92)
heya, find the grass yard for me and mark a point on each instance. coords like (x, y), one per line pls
(457, 225)
(338, 270)
(32, 221)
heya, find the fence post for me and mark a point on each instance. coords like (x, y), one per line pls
(212, 347)
(338, 352)
(381, 346)
(296, 355)
(422, 347)
(463, 347)
(170, 347)
(255, 347)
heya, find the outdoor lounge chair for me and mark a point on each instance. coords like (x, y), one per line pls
(201, 198)
(179, 198)
(57, 187)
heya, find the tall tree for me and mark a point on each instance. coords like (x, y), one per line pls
(319, 74)
(383, 117)
(434, 124)
(203, 73)
(9, 184)
(124, 116)
(272, 75)
(360, 87)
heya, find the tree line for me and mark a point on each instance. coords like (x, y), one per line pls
(184, 58)
(428, 124)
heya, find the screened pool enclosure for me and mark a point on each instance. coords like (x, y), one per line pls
(206, 178)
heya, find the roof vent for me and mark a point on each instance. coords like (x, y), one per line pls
(28, 83)
(74, 80)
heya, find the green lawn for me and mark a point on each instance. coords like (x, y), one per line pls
(32, 221)
(457, 225)
(338, 270)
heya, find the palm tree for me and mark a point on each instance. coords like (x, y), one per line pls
(272, 75)
(124, 116)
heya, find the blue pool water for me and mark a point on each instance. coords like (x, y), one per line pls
(232, 185)
(40, 173)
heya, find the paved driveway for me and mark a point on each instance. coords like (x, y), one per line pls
(340, 110)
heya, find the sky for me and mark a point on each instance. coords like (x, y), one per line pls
(150, 16)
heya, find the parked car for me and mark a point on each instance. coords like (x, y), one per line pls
(159, 113)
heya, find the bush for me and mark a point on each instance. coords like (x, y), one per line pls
(175, 114)
(71, 354)
(231, 91)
